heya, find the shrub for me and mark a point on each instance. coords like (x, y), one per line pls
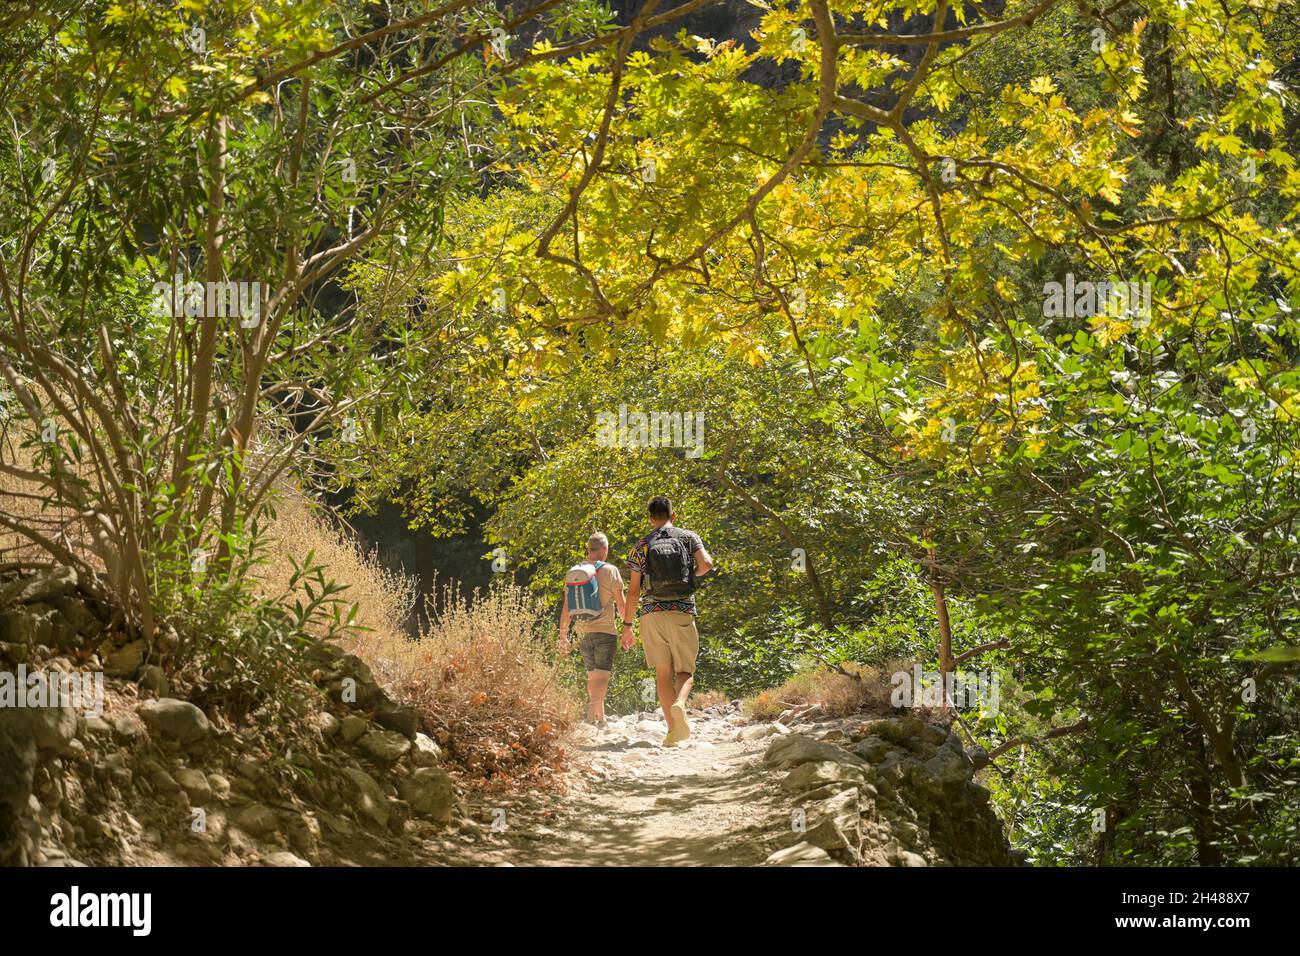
(489, 693)
(838, 692)
(701, 700)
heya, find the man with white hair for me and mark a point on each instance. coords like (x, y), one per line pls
(597, 634)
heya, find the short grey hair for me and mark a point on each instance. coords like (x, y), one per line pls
(597, 541)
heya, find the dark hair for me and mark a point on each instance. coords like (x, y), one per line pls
(661, 507)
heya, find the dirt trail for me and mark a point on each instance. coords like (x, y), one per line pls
(635, 802)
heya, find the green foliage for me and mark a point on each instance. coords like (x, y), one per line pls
(848, 274)
(242, 651)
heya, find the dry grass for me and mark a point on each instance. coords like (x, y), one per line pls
(479, 676)
(494, 701)
(384, 598)
(707, 698)
(27, 503)
(839, 695)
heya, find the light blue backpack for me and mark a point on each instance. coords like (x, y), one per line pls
(582, 590)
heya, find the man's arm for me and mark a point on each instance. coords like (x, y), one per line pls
(703, 561)
(633, 593)
(620, 600)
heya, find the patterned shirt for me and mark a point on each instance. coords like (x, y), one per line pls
(636, 562)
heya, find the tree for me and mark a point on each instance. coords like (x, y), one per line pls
(1069, 297)
(182, 191)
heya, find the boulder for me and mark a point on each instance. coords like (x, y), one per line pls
(18, 760)
(126, 660)
(256, 819)
(79, 617)
(430, 792)
(808, 776)
(897, 729)
(219, 786)
(353, 684)
(801, 854)
(49, 728)
(38, 624)
(796, 749)
(154, 679)
(163, 782)
(118, 770)
(404, 720)
(304, 834)
(42, 587)
(756, 732)
(352, 728)
(97, 726)
(934, 734)
(838, 823)
(425, 753)
(371, 801)
(126, 728)
(826, 791)
(872, 748)
(384, 746)
(326, 723)
(177, 720)
(285, 858)
(195, 784)
(947, 766)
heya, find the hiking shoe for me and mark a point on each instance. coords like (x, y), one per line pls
(681, 726)
(673, 739)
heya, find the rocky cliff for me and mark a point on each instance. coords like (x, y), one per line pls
(154, 779)
(344, 774)
(893, 791)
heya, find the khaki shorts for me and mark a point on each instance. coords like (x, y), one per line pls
(670, 640)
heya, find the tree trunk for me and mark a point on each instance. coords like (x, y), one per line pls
(1201, 790)
(946, 665)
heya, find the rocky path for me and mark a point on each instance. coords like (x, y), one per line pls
(634, 802)
(805, 790)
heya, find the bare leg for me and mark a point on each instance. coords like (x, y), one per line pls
(684, 684)
(597, 687)
(667, 693)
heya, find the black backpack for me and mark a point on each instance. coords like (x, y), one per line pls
(669, 565)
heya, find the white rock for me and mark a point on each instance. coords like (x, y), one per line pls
(426, 753)
(285, 858)
(801, 854)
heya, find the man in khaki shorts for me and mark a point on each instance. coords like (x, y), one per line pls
(597, 636)
(662, 569)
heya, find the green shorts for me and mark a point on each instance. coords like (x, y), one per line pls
(598, 651)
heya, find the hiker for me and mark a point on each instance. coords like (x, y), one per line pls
(593, 590)
(662, 569)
